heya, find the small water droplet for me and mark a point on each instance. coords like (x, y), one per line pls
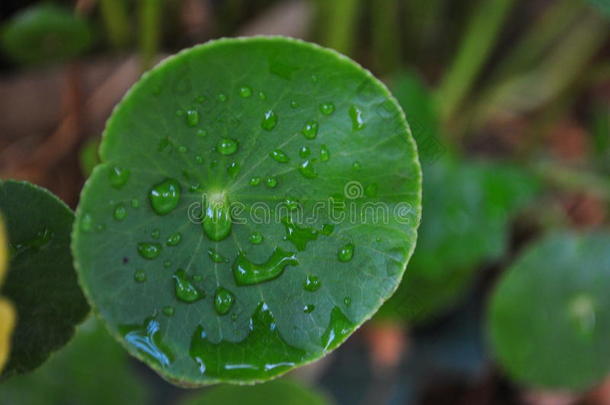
(168, 310)
(223, 301)
(200, 99)
(309, 308)
(338, 329)
(227, 146)
(371, 190)
(307, 170)
(291, 203)
(135, 203)
(165, 196)
(312, 283)
(139, 276)
(327, 229)
(192, 118)
(279, 156)
(174, 239)
(310, 130)
(202, 133)
(155, 234)
(262, 95)
(86, 223)
(346, 253)
(357, 120)
(197, 277)
(324, 153)
(347, 301)
(233, 169)
(184, 288)
(256, 238)
(356, 165)
(199, 159)
(167, 264)
(248, 273)
(255, 181)
(222, 97)
(271, 182)
(327, 108)
(180, 113)
(118, 176)
(149, 251)
(216, 257)
(294, 104)
(582, 314)
(120, 212)
(304, 152)
(182, 149)
(245, 92)
(269, 121)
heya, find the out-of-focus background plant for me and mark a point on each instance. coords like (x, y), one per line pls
(506, 299)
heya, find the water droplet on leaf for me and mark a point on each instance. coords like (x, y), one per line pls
(165, 196)
(149, 251)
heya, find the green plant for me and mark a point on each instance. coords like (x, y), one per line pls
(557, 288)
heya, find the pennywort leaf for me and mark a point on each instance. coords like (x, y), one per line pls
(257, 201)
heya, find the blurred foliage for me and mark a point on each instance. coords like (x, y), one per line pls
(93, 369)
(45, 33)
(549, 318)
(284, 391)
(7, 312)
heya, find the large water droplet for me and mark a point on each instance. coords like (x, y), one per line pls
(346, 253)
(357, 120)
(223, 301)
(312, 283)
(118, 177)
(248, 273)
(192, 118)
(338, 329)
(165, 196)
(299, 236)
(227, 146)
(307, 169)
(184, 288)
(310, 130)
(149, 251)
(269, 121)
(146, 339)
(217, 217)
(279, 156)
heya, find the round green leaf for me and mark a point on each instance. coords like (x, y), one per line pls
(549, 318)
(215, 239)
(467, 211)
(282, 391)
(41, 282)
(75, 374)
(45, 33)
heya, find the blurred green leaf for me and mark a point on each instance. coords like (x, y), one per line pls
(88, 156)
(41, 281)
(602, 5)
(92, 369)
(284, 391)
(549, 318)
(467, 208)
(45, 33)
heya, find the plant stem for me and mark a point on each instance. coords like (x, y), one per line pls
(480, 36)
(116, 22)
(338, 20)
(149, 16)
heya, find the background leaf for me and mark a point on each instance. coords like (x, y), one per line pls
(92, 369)
(41, 281)
(203, 301)
(549, 318)
(284, 391)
